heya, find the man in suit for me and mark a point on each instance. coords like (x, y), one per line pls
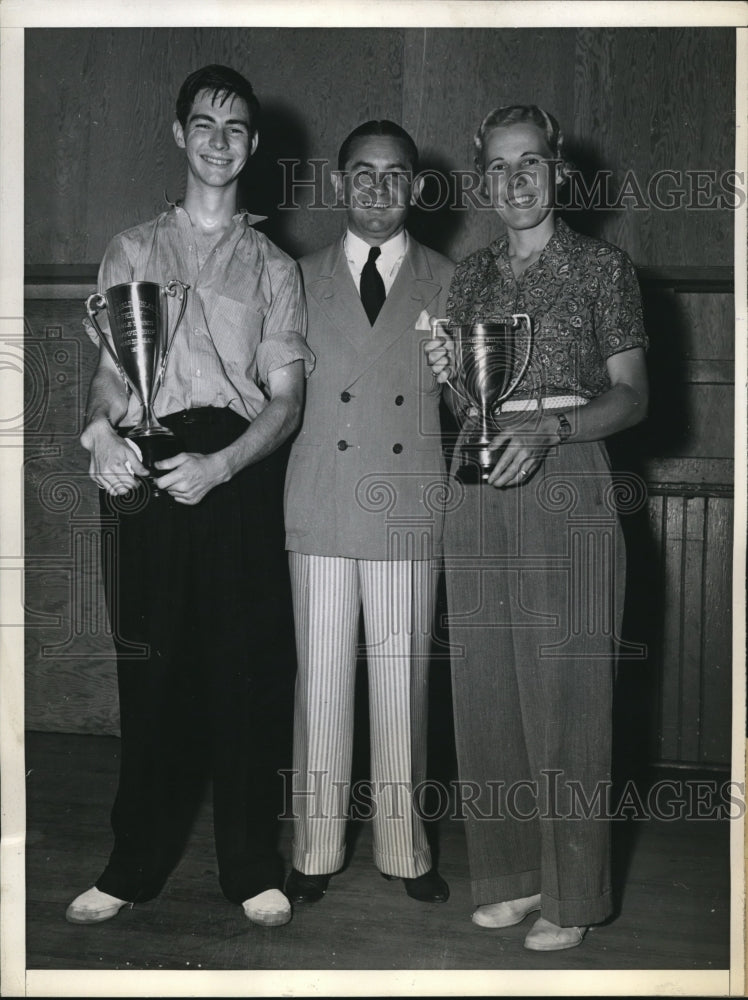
(363, 522)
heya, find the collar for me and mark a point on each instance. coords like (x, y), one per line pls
(357, 250)
(561, 237)
(251, 220)
(242, 215)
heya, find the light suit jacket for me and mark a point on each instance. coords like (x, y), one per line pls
(366, 474)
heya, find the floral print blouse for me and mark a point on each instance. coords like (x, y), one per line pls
(582, 296)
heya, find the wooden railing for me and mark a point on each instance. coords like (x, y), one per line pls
(680, 545)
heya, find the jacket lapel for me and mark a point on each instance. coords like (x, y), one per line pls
(338, 296)
(413, 290)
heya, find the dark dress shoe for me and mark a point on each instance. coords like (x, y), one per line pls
(427, 888)
(301, 888)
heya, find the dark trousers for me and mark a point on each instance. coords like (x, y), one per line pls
(205, 590)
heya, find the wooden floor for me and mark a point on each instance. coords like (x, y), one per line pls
(672, 893)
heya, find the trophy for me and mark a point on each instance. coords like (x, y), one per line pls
(139, 321)
(490, 360)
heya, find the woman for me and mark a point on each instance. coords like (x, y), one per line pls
(535, 560)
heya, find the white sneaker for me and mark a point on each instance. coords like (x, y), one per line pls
(269, 908)
(506, 914)
(93, 906)
(547, 936)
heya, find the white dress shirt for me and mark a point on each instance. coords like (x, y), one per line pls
(388, 263)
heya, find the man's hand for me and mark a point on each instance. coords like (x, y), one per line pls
(189, 476)
(114, 466)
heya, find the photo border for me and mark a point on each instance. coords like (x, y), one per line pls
(15, 980)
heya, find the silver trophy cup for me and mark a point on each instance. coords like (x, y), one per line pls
(140, 346)
(490, 360)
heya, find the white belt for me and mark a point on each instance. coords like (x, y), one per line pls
(549, 403)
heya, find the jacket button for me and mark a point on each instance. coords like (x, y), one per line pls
(342, 445)
(346, 397)
(399, 400)
(397, 448)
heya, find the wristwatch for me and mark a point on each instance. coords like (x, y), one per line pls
(564, 428)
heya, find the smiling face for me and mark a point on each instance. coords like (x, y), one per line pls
(217, 138)
(520, 176)
(377, 188)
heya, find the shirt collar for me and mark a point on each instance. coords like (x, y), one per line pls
(252, 220)
(357, 250)
(242, 214)
(561, 237)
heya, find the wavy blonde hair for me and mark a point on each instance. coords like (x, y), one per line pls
(515, 114)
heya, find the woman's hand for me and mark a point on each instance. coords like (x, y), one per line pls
(524, 451)
(440, 354)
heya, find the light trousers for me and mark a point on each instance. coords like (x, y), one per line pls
(397, 598)
(535, 582)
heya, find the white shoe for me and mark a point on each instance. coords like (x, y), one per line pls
(93, 906)
(269, 908)
(506, 914)
(547, 936)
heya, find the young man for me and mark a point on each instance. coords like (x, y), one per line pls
(197, 581)
(370, 440)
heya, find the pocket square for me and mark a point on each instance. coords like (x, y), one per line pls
(424, 321)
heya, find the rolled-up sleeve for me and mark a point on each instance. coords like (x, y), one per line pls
(284, 324)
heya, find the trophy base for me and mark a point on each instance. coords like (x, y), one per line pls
(156, 446)
(471, 474)
(476, 463)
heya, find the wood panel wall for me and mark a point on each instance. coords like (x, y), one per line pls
(99, 154)
(70, 676)
(99, 108)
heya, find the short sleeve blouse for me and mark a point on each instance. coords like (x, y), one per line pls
(582, 296)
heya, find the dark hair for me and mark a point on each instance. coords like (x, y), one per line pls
(224, 82)
(381, 127)
(513, 114)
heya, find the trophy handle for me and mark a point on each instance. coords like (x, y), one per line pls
(170, 288)
(434, 322)
(94, 304)
(517, 317)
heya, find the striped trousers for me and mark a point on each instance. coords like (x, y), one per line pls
(397, 598)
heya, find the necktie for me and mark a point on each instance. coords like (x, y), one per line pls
(372, 286)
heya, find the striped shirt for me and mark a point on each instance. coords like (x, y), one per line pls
(245, 314)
